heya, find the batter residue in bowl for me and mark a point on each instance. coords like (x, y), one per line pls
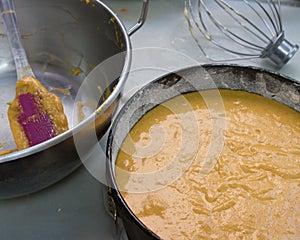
(251, 190)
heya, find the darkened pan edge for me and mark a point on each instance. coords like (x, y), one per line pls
(252, 79)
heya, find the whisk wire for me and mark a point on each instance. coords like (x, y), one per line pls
(270, 23)
(262, 19)
(224, 30)
(244, 26)
(276, 12)
(228, 32)
(206, 34)
(186, 15)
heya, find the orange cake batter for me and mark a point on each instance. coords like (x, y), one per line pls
(235, 174)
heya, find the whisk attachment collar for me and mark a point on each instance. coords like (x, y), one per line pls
(280, 50)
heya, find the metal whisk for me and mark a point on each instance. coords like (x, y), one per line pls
(244, 29)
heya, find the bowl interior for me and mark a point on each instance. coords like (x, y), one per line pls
(64, 42)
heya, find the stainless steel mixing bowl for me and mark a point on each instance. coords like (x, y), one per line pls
(81, 51)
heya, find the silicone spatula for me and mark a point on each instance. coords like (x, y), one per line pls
(35, 115)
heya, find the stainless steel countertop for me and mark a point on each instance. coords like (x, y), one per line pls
(74, 208)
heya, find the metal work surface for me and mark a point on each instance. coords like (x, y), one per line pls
(74, 207)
